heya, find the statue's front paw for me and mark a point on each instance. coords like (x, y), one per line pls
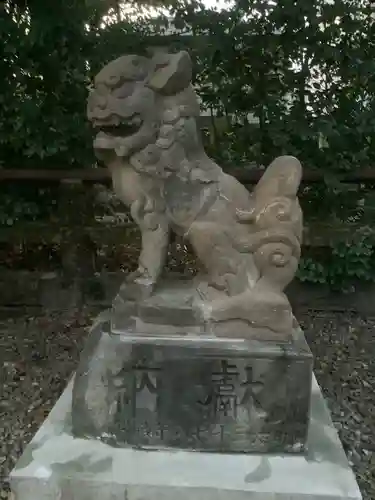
(137, 286)
(137, 275)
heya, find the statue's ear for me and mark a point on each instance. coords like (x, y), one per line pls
(171, 73)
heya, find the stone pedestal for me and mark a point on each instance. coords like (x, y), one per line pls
(58, 466)
(193, 392)
(171, 309)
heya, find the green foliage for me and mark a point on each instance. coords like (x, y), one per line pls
(26, 203)
(280, 77)
(50, 54)
(304, 70)
(345, 264)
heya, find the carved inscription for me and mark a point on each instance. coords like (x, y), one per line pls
(222, 398)
(252, 389)
(223, 403)
(146, 378)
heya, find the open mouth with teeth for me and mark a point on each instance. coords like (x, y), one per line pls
(117, 128)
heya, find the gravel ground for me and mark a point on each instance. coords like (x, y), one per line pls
(38, 352)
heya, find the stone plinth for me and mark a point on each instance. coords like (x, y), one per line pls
(57, 465)
(171, 309)
(193, 392)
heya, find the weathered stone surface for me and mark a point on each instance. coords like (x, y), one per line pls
(196, 391)
(248, 244)
(173, 305)
(171, 310)
(55, 465)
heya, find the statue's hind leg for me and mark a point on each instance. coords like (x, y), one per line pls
(256, 308)
(225, 266)
(260, 301)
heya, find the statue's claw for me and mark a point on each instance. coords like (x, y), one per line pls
(137, 286)
(136, 275)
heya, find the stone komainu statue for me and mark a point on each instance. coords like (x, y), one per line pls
(248, 243)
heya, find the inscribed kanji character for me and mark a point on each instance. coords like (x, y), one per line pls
(252, 389)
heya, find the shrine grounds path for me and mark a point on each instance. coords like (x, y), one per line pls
(39, 351)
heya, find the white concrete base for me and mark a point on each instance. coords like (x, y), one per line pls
(56, 466)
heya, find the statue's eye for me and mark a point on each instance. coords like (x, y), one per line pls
(113, 80)
(124, 91)
(161, 65)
